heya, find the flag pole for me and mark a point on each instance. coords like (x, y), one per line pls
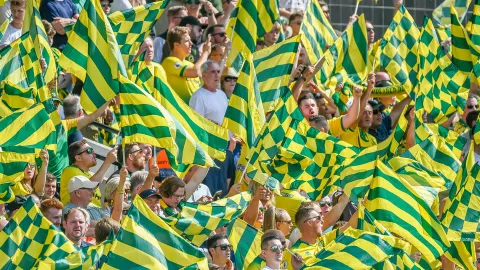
(356, 7)
(153, 160)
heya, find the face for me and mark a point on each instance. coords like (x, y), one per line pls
(175, 199)
(302, 56)
(147, 151)
(285, 224)
(325, 206)
(137, 157)
(105, 6)
(470, 106)
(376, 118)
(195, 32)
(50, 189)
(175, 20)
(185, 44)
(55, 216)
(75, 226)
(147, 46)
(18, 13)
(153, 203)
(315, 222)
(272, 37)
(274, 251)
(295, 25)
(211, 77)
(260, 216)
(266, 197)
(308, 108)
(193, 6)
(87, 156)
(326, 11)
(218, 35)
(370, 33)
(366, 117)
(228, 84)
(29, 171)
(85, 194)
(322, 107)
(217, 54)
(221, 252)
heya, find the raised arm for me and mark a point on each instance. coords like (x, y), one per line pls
(359, 103)
(42, 173)
(118, 200)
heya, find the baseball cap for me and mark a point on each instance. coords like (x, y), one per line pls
(376, 105)
(149, 193)
(15, 204)
(192, 21)
(80, 181)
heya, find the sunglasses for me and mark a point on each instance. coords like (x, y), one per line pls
(88, 150)
(136, 151)
(376, 111)
(31, 165)
(277, 248)
(313, 218)
(222, 34)
(370, 30)
(472, 106)
(224, 247)
(229, 79)
(105, 4)
(322, 204)
(192, 2)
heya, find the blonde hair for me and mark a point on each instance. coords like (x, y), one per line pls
(269, 219)
(175, 35)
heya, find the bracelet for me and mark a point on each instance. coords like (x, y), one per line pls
(300, 77)
(121, 191)
(209, 14)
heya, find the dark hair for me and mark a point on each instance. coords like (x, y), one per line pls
(319, 120)
(211, 29)
(472, 119)
(294, 16)
(128, 149)
(103, 228)
(302, 214)
(212, 241)
(305, 97)
(73, 150)
(50, 177)
(170, 185)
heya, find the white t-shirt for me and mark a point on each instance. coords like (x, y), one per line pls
(211, 105)
(120, 5)
(201, 190)
(158, 44)
(10, 35)
(477, 158)
(293, 5)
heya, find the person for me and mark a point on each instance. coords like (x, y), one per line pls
(201, 194)
(477, 263)
(27, 185)
(220, 249)
(358, 135)
(147, 150)
(12, 207)
(106, 5)
(295, 21)
(52, 210)
(137, 179)
(82, 157)
(271, 37)
(104, 227)
(120, 5)
(272, 252)
(228, 81)
(76, 223)
(135, 159)
(152, 199)
(370, 34)
(472, 122)
(471, 105)
(50, 190)
(72, 109)
(195, 29)
(172, 193)
(217, 34)
(182, 75)
(193, 9)
(175, 15)
(116, 196)
(288, 7)
(14, 29)
(277, 218)
(218, 51)
(60, 13)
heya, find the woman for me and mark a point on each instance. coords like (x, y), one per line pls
(277, 218)
(115, 195)
(228, 81)
(27, 185)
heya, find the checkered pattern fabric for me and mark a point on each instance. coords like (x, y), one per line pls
(464, 53)
(460, 217)
(196, 221)
(473, 25)
(30, 237)
(398, 48)
(476, 131)
(441, 15)
(132, 26)
(12, 166)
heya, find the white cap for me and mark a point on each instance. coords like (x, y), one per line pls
(80, 181)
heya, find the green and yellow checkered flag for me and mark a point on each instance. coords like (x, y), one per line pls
(92, 55)
(34, 26)
(12, 166)
(442, 88)
(144, 120)
(132, 26)
(246, 242)
(460, 215)
(11, 65)
(318, 34)
(464, 53)
(196, 221)
(14, 98)
(210, 136)
(29, 238)
(356, 249)
(146, 241)
(398, 207)
(346, 59)
(441, 15)
(31, 128)
(398, 47)
(273, 66)
(473, 25)
(251, 19)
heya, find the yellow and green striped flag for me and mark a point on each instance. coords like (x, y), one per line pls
(464, 53)
(442, 88)
(29, 238)
(273, 66)
(132, 26)
(246, 242)
(462, 254)
(144, 120)
(346, 59)
(395, 204)
(473, 25)
(398, 48)
(14, 98)
(196, 221)
(441, 15)
(12, 166)
(11, 64)
(460, 217)
(210, 136)
(146, 241)
(4, 27)
(92, 56)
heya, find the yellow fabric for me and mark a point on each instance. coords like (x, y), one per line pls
(68, 174)
(183, 86)
(335, 126)
(19, 189)
(358, 137)
(307, 251)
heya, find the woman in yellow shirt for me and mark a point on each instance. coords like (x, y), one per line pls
(28, 185)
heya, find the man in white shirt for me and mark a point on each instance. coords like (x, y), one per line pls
(209, 101)
(14, 29)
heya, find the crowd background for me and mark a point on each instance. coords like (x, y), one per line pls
(248, 135)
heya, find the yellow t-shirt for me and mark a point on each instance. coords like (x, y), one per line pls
(358, 137)
(19, 189)
(68, 174)
(183, 86)
(335, 126)
(308, 251)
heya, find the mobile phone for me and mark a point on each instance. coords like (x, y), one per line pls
(217, 195)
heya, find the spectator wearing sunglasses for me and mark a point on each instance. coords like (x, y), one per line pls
(135, 159)
(461, 127)
(220, 250)
(295, 21)
(106, 5)
(82, 157)
(272, 252)
(27, 186)
(217, 34)
(228, 81)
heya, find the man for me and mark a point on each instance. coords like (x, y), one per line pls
(135, 159)
(220, 249)
(172, 192)
(76, 222)
(472, 121)
(72, 110)
(288, 7)
(182, 75)
(152, 199)
(81, 191)
(272, 252)
(52, 210)
(14, 29)
(50, 186)
(370, 34)
(104, 227)
(59, 13)
(175, 15)
(471, 105)
(82, 158)
(217, 34)
(295, 22)
(358, 135)
(195, 31)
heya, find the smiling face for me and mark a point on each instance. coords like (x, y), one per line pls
(366, 118)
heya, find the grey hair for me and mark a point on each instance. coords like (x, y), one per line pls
(206, 65)
(111, 186)
(138, 178)
(71, 106)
